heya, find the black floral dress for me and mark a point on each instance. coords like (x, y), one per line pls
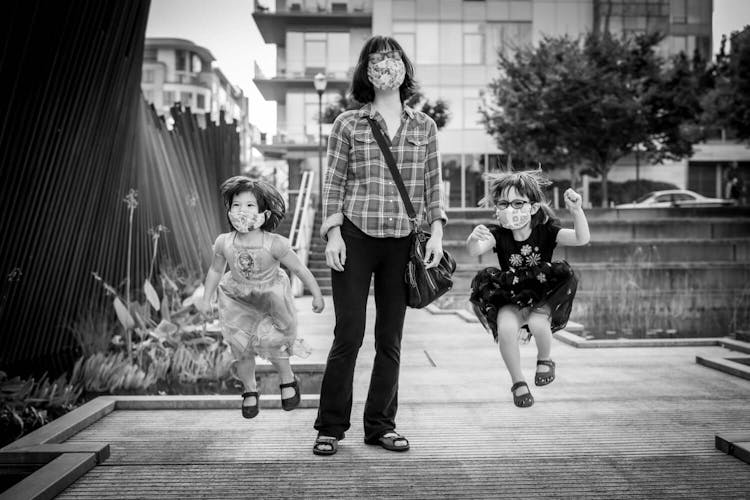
(527, 278)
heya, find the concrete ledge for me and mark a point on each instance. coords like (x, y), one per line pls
(736, 444)
(45, 453)
(726, 365)
(53, 478)
(221, 402)
(579, 342)
(735, 345)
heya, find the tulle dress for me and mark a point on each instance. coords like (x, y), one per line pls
(256, 305)
(527, 278)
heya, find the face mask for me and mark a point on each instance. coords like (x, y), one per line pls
(514, 218)
(245, 223)
(387, 74)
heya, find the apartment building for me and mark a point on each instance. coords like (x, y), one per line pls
(454, 45)
(178, 71)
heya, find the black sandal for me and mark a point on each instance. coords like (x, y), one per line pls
(250, 411)
(544, 378)
(325, 441)
(389, 442)
(289, 404)
(525, 400)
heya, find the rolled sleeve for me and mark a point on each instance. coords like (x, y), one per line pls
(433, 180)
(335, 182)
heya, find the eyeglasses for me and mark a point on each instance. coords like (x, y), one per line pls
(376, 57)
(503, 204)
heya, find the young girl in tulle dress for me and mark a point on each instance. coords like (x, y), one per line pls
(256, 307)
(528, 291)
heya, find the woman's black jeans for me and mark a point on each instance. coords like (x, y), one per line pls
(386, 259)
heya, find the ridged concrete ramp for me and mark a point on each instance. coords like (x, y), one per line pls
(617, 423)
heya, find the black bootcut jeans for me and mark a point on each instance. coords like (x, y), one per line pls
(386, 258)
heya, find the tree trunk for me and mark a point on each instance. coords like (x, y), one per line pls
(605, 190)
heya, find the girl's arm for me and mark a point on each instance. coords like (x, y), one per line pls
(580, 235)
(480, 241)
(292, 262)
(213, 277)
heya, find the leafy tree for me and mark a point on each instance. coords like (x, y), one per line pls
(437, 110)
(568, 104)
(727, 103)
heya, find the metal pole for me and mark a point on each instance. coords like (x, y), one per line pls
(320, 151)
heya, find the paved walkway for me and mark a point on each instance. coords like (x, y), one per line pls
(617, 423)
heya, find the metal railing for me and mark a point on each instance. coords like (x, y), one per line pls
(300, 233)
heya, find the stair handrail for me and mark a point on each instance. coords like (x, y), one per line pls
(300, 232)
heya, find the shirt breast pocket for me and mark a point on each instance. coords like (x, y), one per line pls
(363, 149)
(415, 149)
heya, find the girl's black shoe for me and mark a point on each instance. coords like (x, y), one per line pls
(250, 411)
(293, 402)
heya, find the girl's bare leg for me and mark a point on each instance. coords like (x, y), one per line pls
(508, 324)
(540, 328)
(284, 367)
(245, 371)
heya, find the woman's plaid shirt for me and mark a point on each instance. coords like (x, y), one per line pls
(359, 184)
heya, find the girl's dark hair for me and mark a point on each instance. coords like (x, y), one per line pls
(362, 90)
(530, 183)
(268, 198)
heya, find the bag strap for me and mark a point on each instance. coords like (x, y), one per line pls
(394, 171)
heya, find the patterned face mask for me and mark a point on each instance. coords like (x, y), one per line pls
(244, 223)
(387, 74)
(514, 218)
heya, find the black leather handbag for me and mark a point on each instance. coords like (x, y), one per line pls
(424, 285)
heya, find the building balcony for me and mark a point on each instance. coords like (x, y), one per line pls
(323, 14)
(276, 88)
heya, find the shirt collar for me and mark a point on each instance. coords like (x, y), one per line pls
(369, 111)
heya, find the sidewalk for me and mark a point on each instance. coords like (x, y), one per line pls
(617, 423)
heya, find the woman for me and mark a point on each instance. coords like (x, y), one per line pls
(367, 232)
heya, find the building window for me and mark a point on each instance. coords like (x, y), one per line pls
(427, 47)
(473, 41)
(452, 181)
(186, 98)
(181, 60)
(200, 101)
(315, 51)
(169, 97)
(148, 76)
(506, 37)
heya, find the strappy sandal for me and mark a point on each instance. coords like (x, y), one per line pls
(250, 411)
(388, 441)
(325, 441)
(525, 400)
(544, 378)
(289, 404)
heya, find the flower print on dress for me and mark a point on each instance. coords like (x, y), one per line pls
(515, 260)
(533, 260)
(541, 277)
(526, 250)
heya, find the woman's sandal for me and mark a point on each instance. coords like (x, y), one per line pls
(250, 411)
(388, 441)
(289, 404)
(327, 441)
(544, 378)
(525, 400)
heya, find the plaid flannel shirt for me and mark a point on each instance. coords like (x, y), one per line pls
(359, 184)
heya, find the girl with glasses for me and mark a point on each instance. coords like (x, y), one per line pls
(528, 291)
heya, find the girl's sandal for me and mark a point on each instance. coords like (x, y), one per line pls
(289, 404)
(250, 411)
(544, 378)
(525, 400)
(331, 445)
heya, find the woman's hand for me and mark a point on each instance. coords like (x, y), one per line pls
(573, 200)
(318, 304)
(335, 250)
(433, 252)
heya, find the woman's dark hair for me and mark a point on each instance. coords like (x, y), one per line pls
(362, 90)
(529, 183)
(268, 198)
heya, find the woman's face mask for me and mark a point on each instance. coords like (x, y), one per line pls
(244, 222)
(514, 218)
(387, 74)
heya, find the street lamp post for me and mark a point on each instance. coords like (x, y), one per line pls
(320, 83)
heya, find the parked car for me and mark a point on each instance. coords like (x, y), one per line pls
(675, 198)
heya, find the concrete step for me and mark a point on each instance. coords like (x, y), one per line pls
(625, 230)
